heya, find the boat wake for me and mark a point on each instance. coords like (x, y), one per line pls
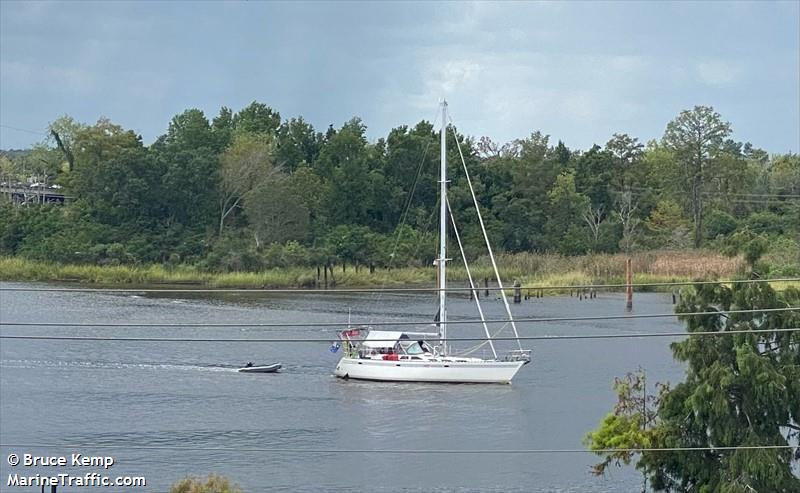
(113, 365)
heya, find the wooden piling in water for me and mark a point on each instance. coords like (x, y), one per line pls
(486, 287)
(517, 292)
(628, 285)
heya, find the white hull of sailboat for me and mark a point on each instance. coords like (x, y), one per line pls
(475, 371)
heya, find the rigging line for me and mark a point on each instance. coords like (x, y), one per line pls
(404, 216)
(403, 322)
(485, 235)
(633, 335)
(398, 451)
(473, 349)
(407, 207)
(425, 228)
(373, 290)
(476, 347)
(474, 292)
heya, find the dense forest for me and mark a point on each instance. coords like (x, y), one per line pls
(249, 190)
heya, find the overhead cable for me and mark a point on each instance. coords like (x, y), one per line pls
(636, 335)
(397, 451)
(399, 322)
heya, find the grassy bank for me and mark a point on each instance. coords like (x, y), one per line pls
(530, 269)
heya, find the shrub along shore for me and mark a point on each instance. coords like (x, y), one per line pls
(531, 270)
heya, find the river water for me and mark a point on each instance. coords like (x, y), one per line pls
(198, 415)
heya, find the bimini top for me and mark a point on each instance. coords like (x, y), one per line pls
(382, 338)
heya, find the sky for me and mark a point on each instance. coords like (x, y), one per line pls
(578, 71)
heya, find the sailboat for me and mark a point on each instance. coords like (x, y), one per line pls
(405, 356)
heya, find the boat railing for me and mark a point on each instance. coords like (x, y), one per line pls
(518, 355)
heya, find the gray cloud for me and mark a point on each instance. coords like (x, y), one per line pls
(579, 71)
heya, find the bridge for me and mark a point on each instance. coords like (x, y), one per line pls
(25, 195)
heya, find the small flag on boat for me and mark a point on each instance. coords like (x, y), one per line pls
(334, 347)
(351, 332)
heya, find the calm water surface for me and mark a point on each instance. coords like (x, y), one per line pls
(188, 399)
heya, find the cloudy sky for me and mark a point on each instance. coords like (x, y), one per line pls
(578, 71)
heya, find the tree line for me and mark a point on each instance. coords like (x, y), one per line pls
(251, 190)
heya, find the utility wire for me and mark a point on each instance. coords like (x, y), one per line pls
(710, 192)
(766, 200)
(400, 322)
(375, 290)
(319, 340)
(23, 130)
(72, 446)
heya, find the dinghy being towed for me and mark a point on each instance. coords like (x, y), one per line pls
(251, 368)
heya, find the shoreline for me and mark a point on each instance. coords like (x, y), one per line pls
(541, 274)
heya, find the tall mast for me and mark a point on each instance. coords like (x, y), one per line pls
(442, 261)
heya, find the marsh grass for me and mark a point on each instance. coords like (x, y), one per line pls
(530, 269)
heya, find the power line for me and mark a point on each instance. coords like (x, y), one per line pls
(24, 130)
(401, 322)
(72, 446)
(378, 290)
(711, 192)
(472, 339)
(766, 200)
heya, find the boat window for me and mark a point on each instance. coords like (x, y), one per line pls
(414, 348)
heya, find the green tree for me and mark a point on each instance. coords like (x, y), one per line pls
(784, 174)
(275, 213)
(667, 226)
(189, 151)
(63, 132)
(345, 162)
(740, 390)
(627, 426)
(410, 166)
(696, 138)
(222, 128)
(598, 175)
(566, 208)
(115, 175)
(244, 166)
(297, 144)
(748, 243)
(522, 208)
(720, 224)
(312, 191)
(257, 118)
(8, 173)
(627, 152)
